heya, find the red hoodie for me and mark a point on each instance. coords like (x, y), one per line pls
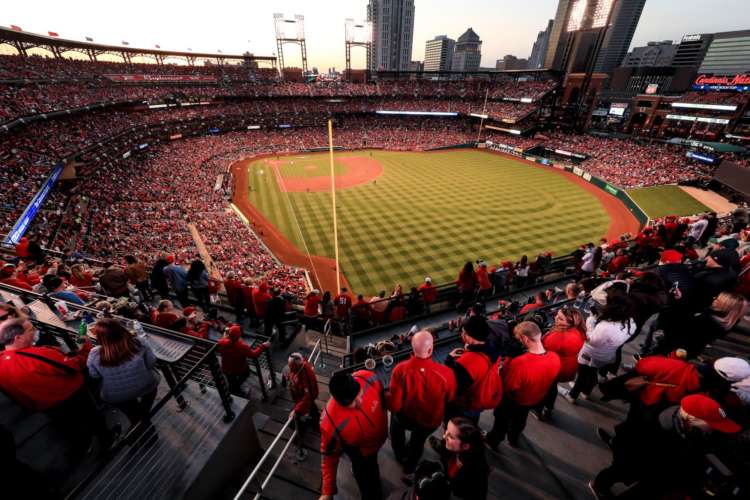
(567, 344)
(363, 428)
(670, 372)
(419, 389)
(260, 297)
(303, 387)
(235, 353)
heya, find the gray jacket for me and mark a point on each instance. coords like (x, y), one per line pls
(133, 378)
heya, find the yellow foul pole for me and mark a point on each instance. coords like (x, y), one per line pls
(333, 202)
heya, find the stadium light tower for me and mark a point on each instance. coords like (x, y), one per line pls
(356, 35)
(283, 36)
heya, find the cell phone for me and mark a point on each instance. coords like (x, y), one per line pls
(675, 286)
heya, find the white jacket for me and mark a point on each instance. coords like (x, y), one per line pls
(602, 341)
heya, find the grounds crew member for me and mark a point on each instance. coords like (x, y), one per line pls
(526, 380)
(418, 392)
(354, 422)
(475, 366)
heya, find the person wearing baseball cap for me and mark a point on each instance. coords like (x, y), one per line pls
(234, 355)
(354, 422)
(666, 455)
(428, 292)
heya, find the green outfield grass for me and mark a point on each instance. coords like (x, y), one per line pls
(430, 212)
(659, 201)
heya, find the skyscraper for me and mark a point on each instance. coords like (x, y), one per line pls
(392, 34)
(624, 20)
(588, 15)
(539, 50)
(467, 54)
(438, 53)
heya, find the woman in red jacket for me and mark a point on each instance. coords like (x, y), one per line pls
(234, 355)
(565, 338)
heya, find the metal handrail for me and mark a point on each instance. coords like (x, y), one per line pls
(272, 445)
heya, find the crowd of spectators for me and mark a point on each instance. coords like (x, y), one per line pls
(630, 163)
(726, 98)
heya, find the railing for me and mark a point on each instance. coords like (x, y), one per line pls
(312, 358)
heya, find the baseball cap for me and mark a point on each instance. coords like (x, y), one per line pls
(343, 388)
(671, 257)
(729, 242)
(708, 410)
(732, 369)
(726, 258)
(476, 328)
(427, 279)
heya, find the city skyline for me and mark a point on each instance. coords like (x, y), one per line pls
(508, 28)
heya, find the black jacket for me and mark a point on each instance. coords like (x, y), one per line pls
(470, 482)
(710, 282)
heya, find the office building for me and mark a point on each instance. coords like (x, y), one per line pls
(653, 54)
(511, 62)
(392, 34)
(558, 37)
(438, 53)
(539, 50)
(624, 20)
(467, 54)
(691, 50)
(728, 54)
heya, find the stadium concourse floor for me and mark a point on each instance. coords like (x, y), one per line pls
(406, 215)
(555, 460)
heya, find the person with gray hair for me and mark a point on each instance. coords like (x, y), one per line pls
(303, 388)
(44, 379)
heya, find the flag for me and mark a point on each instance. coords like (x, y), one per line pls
(158, 46)
(15, 28)
(89, 39)
(52, 33)
(125, 43)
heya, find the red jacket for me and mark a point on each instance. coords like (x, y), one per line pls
(663, 370)
(566, 344)
(530, 307)
(361, 310)
(303, 387)
(17, 282)
(260, 298)
(234, 291)
(429, 293)
(247, 297)
(467, 282)
(419, 389)
(38, 385)
(363, 428)
(477, 365)
(311, 305)
(528, 377)
(234, 355)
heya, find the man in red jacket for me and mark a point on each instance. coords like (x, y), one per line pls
(247, 300)
(234, 355)
(526, 380)
(354, 422)
(429, 293)
(233, 287)
(418, 392)
(44, 379)
(303, 388)
(343, 304)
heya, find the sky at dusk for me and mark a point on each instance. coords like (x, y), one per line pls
(505, 26)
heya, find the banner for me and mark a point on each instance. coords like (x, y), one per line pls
(27, 217)
(160, 78)
(738, 83)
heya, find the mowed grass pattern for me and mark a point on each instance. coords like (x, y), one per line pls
(659, 201)
(430, 212)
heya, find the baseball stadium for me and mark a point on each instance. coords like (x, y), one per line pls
(228, 275)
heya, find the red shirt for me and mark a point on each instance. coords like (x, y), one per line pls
(483, 278)
(37, 385)
(566, 344)
(419, 389)
(234, 355)
(303, 387)
(342, 303)
(361, 310)
(529, 307)
(663, 370)
(260, 297)
(477, 365)
(233, 288)
(363, 428)
(311, 305)
(247, 298)
(17, 282)
(528, 377)
(429, 293)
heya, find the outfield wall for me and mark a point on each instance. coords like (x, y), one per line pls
(618, 193)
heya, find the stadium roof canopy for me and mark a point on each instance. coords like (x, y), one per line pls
(23, 40)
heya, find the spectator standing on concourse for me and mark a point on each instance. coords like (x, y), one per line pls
(158, 278)
(303, 388)
(483, 281)
(429, 293)
(197, 278)
(114, 281)
(275, 313)
(312, 310)
(138, 276)
(418, 392)
(177, 280)
(234, 355)
(354, 422)
(526, 380)
(343, 305)
(466, 283)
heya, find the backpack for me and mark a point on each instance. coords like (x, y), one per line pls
(487, 390)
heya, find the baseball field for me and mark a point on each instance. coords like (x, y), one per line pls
(406, 215)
